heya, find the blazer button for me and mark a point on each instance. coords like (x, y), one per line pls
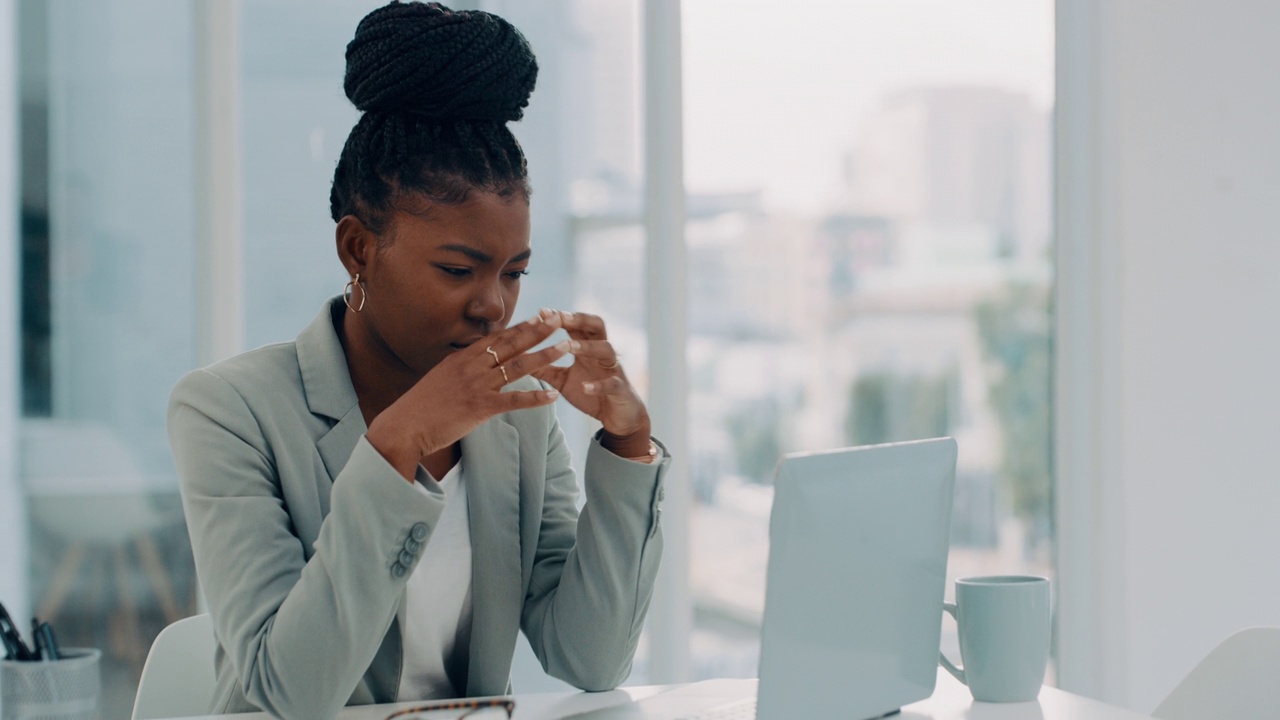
(399, 570)
(419, 532)
(412, 545)
(406, 558)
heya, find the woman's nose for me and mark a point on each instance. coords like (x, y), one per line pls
(489, 304)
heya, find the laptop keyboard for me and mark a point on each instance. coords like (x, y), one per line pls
(737, 710)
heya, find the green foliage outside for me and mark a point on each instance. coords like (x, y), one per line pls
(1014, 330)
(884, 407)
(756, 431)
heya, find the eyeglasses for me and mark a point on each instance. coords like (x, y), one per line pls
(474, 708)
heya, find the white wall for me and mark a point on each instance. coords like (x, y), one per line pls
(1169, 402)
(13, 528)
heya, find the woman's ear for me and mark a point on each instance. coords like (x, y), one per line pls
(356, 245)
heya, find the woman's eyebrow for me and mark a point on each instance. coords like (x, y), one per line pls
(470, 252)
(484, 257)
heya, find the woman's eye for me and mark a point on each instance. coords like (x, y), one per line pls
(517, 274)
(455, 271)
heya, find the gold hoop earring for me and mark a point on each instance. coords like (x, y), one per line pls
(350, 290)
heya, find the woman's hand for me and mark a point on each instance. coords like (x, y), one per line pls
(596, 385)
(463, 391)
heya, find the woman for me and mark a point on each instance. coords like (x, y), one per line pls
(379, 506)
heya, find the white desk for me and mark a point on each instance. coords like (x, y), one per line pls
(950, 701)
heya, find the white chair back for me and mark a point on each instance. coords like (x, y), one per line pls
(1237, 680)
(178, 679)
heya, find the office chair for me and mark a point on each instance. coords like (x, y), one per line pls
(85, 490)
(178, 679)
(1237, 679)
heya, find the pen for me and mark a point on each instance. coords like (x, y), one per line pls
(50, 645)
(37, 640)
(42, 638)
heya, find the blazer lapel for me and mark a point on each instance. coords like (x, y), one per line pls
(335, 449)
(491, 454)
(327, 384)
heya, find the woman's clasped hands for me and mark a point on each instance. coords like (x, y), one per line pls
(466, 388)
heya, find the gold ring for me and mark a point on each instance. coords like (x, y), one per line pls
(506, 380)
(497, 361)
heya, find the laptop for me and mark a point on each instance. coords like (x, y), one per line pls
(853, 603)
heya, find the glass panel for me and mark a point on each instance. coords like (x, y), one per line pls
(295, 121)
(869, 262)
(106, 320)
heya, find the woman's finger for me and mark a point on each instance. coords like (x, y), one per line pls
(554, 375)
(583, 326)
(524, 399)
(518, 338)
(601, 352)
(529, 363)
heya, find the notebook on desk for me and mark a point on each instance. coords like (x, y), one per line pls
(853, 601)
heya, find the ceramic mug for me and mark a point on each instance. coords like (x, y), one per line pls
(1004, 636)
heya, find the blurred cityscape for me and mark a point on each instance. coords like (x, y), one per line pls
(916, 305)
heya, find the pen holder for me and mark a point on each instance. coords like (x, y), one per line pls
(64, 689)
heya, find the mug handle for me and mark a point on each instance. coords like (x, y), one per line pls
(958, 672)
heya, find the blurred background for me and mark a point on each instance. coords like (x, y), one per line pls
(870, 237)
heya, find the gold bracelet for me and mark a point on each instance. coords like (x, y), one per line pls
(648, 458)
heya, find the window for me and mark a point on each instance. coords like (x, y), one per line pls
(107, 307)
(869, 262)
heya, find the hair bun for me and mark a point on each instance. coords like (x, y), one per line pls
(426, 59)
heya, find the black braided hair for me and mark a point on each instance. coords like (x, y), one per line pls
(437, 88)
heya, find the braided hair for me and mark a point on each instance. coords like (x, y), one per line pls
(437, 88)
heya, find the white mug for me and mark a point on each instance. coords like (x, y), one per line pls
(1004, 636)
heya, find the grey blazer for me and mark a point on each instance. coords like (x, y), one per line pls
(304, 537)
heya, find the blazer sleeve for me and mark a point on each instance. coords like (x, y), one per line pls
(298, 633)
(593, 573)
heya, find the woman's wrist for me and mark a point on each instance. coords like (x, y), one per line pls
(632, 445)
(398, 449)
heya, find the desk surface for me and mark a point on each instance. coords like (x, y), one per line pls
(950, 701)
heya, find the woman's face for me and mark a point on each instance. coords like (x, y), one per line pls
(446, 278)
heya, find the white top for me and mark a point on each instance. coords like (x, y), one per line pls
(435, 616)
